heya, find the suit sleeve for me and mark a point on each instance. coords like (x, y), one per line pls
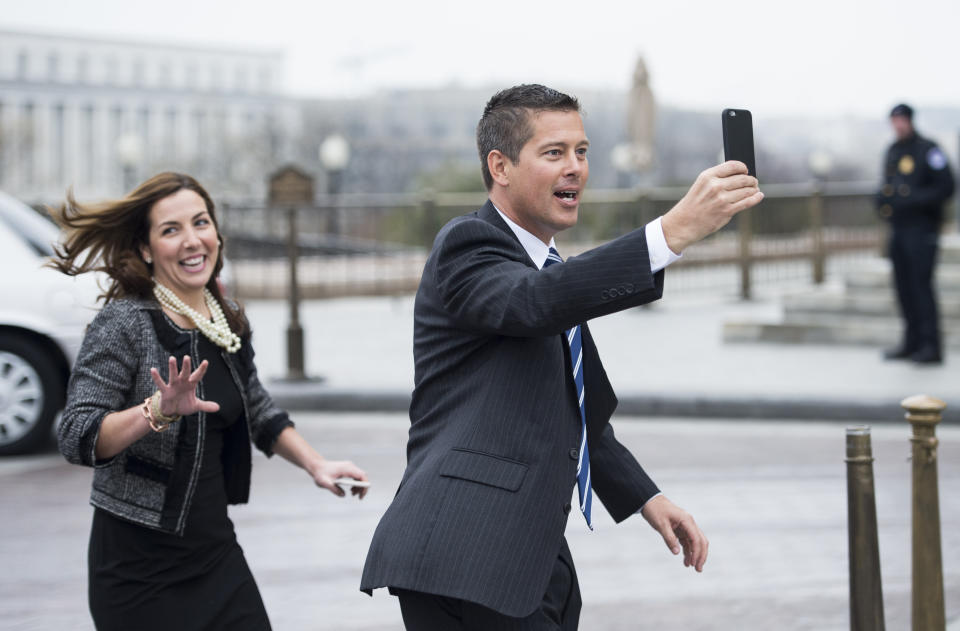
(617, 478)
(486, 284)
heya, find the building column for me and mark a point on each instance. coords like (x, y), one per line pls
(9, 123)
(72, 119)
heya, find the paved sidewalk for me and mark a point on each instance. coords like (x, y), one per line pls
(771, 498)
(668, 359)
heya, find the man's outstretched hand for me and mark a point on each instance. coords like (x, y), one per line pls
(716, 196)
(678, 530)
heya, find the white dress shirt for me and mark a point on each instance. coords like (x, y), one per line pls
(660, 254)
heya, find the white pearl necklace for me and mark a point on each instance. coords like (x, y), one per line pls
(217, 331)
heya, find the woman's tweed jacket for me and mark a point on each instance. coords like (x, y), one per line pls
(153, 480)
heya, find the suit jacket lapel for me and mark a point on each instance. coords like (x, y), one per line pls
(488, 212)
(600, 399)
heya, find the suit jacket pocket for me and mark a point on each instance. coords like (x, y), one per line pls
(484, 468)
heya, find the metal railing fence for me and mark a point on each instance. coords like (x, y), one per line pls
(377, 244)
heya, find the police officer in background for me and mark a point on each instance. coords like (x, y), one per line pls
(916, 183)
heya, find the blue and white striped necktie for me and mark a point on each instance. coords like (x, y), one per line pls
(575, 346)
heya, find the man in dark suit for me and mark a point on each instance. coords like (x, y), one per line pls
(511, 404)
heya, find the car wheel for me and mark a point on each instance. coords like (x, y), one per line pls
(31, 394)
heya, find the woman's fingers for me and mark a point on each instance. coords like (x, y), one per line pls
(325, 481)
(350, 470)
(183, 382)
(185, 368)
(198, 374)
(207, 406)
(180, 392)
(183, 372)
(157, 379)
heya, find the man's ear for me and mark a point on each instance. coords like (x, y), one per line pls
(499, 166)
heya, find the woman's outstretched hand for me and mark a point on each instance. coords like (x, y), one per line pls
(179, 396)
(325, 472)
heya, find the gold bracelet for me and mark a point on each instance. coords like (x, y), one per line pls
(159, 416)
(147, 414)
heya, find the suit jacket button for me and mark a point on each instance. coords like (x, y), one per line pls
(566, 509)
(574, 454)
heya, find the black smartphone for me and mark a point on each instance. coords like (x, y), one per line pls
(738, 138)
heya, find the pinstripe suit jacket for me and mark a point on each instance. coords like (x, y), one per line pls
(492, 451)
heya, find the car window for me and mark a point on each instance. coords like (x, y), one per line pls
(39, 233)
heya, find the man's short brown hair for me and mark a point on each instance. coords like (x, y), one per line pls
(505, 124)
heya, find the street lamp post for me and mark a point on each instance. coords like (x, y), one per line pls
(623, 160)
(291, 188)
(623, 156)
(820, 163)
(130, 154)
(334, 155)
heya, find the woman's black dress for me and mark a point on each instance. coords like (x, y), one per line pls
(144, 579)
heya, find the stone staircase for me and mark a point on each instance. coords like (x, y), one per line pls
(859, 310)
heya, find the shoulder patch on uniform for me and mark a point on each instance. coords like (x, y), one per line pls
(936, 159)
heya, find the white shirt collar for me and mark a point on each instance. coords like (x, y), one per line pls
(536, 249)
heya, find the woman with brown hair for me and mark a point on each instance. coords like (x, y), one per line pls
(169, 443)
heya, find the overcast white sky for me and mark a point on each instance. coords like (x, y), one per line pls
(776, 58)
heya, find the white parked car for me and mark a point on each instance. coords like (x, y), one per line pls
(43, 315)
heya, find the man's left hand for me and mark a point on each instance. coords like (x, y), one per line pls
(677, 528)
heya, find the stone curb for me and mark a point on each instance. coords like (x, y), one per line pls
(309, 396)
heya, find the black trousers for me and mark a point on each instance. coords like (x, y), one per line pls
(559, 610)
(913, 251)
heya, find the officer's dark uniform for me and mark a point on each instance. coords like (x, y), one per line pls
(916, 183)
